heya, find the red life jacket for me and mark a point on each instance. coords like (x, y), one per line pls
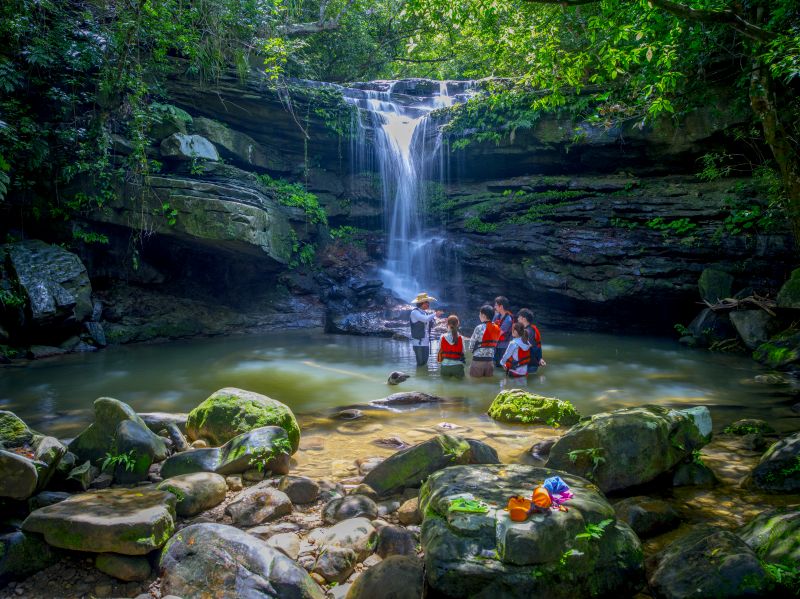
(534, 336)
(499, 321)
(491, 335)
(523, 359)
(451, 351)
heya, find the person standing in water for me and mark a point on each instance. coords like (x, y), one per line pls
(504, 319)
(517, 355)
(422, 321)
(451, 350)
(525, 316)
(483, 343)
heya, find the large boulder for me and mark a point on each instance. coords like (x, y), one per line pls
(343, 546)
(230, 412)
(180, 146)
(715, 285)
(517, 405)
(128, 521)
(631, 446)
(710, 326)
(195, 492)
(18, 474)
(410, 467)
(754, 326)
(99, 438)
(54, 282)
(233, 145)
(789, 295)
(214, 560)
(137, 442)
(708, 562)
(260, 448)
(396, 577)
(488, 555)
(647, 516)
(23, 554)
(781, 352)
(352, 506)
(28, 460)
(775, 536)
(778, 470)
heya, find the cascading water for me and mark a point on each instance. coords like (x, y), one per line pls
(406, 153)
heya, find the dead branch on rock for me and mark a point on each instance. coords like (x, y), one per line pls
(755, 300)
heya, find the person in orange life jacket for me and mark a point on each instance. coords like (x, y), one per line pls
(504, 319)
(517, 355)
(422, 321)
(525, 316)
(483, 343)
(451, 350)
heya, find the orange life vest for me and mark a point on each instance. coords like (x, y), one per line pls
(499, 321)
(491, 335)
(451, 351)
(523, 359)
(536, 337)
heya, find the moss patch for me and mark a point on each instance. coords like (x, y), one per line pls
(516, 405)
(780, 351)
(13, 431)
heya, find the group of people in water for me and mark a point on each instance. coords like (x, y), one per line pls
(497, 342)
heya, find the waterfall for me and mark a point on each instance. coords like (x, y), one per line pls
(407, 154)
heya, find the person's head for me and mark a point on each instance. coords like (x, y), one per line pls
(518, 330)
(453, 324)
(525, 316)
(423, 301)
(501, 304)
(486, 313)
(424, 305)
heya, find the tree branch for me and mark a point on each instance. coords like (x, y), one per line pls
(719, 17)
(302, 29)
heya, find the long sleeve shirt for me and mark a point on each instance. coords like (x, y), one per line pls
(505, 322)
(512, 353)
(475, 341)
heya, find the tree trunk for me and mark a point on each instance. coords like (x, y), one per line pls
(763, 104)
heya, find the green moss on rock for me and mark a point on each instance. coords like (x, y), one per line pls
(780, 351)
(230, 412)
(789, 295)
(13, 431)
(516, 405)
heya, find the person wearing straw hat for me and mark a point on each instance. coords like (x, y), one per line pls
(422, 320)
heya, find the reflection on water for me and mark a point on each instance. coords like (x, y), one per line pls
(314, 373)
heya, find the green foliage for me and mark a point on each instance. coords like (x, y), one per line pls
(10, 298)
(784, 577)
(294, 194)
(345, 233)
(679, 226)
(681, 329)
(89, 237)
(263, 455)
(169, 213)
(126, 460)
(475, 225)
(623, 224)
(594, 532)
(593, 454)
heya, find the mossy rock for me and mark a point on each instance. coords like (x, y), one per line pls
(778, 470)
(715, 285)
(230, 412)
(789, 295)
(780, 352)
(775, 536)
(516, 405)
(13, 431)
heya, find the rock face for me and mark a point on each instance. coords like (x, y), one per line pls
(127, 521)
(410, 467)
(261, 446)
(100, 438)
(195, 492)
(628, 447)
(778, 471)
(516, 405)
(54, 282)
(707, 562)
(224, 562)
(230, 412)
(488, 555)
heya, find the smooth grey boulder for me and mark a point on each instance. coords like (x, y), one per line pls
(257, 505)
(157, 421)
(99, 438)
(778, 470)
(352, 506)
(707, 562)
(715, 285)
(28, 460)
(300, 489)
(123, 567)
(395, 540)
(244, 452)
(287, 543)
(226, 563)
(489, 555)
(135, 440)
(181, 146)
(127, 521)
(396, 577)
(647, 516)
(342, 547)
(233, 145)
(195, 492)
(631, 446)
(754, 326)
(18, 474)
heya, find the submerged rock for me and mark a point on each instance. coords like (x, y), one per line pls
(230, 412)
(261, 446)
(516, 405)
(631, 446)
(708, 562)
(488, 555)
(226, 563)
(407, 398)
(410, 467)
(126, 521)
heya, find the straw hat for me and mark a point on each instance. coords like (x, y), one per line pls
(422, 298)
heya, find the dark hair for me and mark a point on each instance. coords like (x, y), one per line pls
(487, 311)
(452, 324)
(526, 314)
(501, 300)
(521, 331)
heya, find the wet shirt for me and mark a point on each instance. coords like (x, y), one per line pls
(475, 340)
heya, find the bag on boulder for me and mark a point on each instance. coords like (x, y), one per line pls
(541, 497)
